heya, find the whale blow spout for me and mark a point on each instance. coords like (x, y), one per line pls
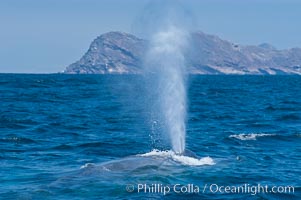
(168, 28)
(166, 59)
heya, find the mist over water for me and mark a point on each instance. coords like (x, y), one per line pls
(167, 27)
(166, 60)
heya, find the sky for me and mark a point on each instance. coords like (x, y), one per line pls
(45, 36)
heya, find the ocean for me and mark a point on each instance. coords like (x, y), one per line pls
(91, 137)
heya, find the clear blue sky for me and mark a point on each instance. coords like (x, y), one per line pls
(42, 36)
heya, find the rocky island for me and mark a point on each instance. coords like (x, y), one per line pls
(122, 53)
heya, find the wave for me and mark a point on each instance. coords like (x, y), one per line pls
(15, 139)
(289, 117)
(250, 136)
(185, 160)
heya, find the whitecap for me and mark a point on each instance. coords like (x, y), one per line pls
(250, 136)
(87, 165)
(185, 160)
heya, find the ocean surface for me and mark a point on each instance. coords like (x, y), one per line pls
(90, 137)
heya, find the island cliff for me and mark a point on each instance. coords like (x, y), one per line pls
(122, 53)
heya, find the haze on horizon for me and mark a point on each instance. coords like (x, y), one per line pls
(46, 36)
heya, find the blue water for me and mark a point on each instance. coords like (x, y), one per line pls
(52, 126)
